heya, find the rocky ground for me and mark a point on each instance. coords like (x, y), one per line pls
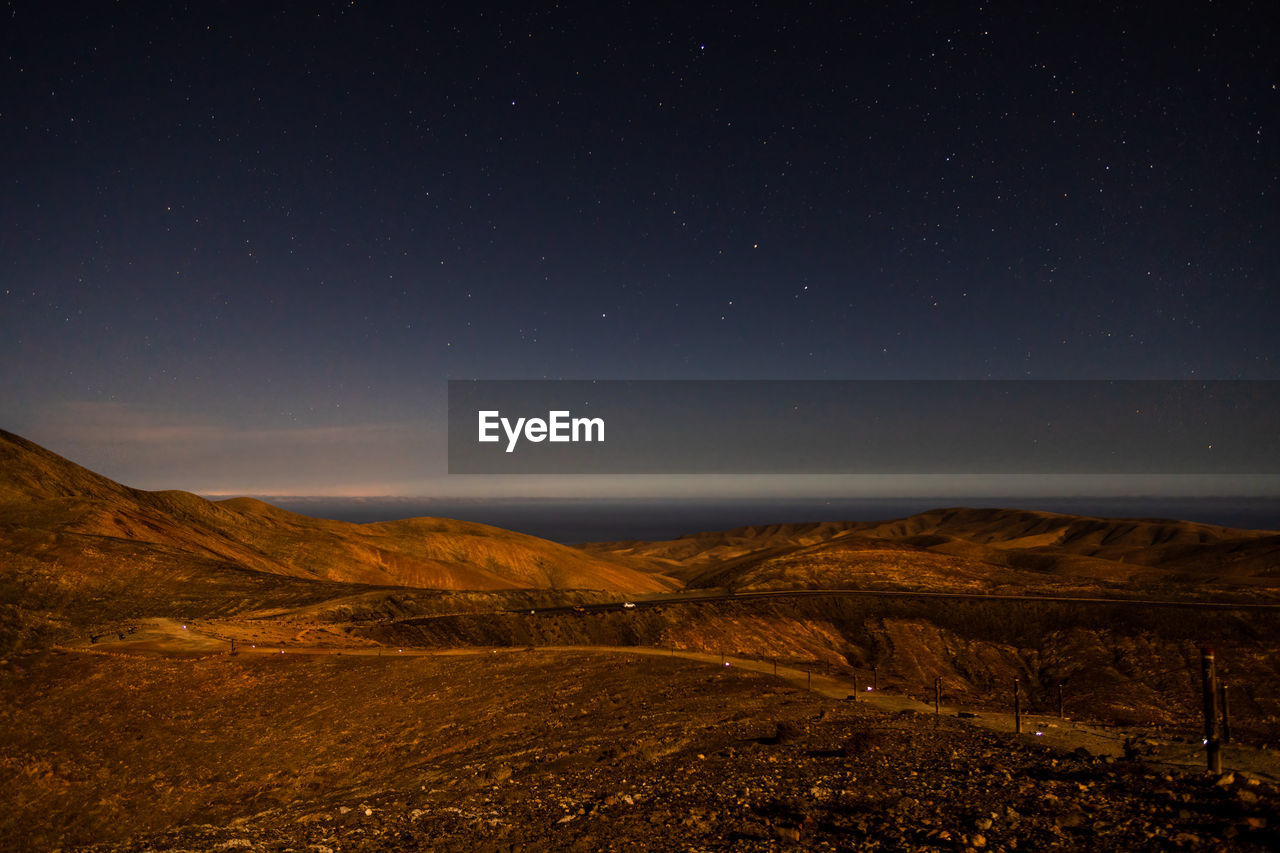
(551, 751)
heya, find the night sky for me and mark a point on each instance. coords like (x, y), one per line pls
(243, 249)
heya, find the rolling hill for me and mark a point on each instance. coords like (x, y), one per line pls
(78, 546)
(965, 549)
(76, 541)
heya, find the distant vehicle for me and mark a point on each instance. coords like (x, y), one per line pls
(629, 605)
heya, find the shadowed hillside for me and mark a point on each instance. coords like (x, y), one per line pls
(972, 550)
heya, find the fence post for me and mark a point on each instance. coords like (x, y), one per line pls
(808, 675)
(1059, 700)
(1226, 716)
(875, 678)
(855, 686)
(937, 698)
(1209, 676)
(1017, 708)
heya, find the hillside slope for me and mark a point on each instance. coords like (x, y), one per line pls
(969, 549)
(73, 537)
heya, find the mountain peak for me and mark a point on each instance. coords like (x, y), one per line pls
(30, 472)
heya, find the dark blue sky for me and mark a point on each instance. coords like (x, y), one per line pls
(243, 249)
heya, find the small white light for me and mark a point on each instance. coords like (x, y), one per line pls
(1039, 734)
(868, 689)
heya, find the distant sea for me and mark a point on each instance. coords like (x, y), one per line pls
(571, 520)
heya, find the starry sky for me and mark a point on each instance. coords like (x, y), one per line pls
(243, 247)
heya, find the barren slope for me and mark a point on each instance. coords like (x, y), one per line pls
(543, 751)
(74, 540)
(973, 550)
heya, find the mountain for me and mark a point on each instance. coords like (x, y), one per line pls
(75, 539)
(83, 547)
(988, 550)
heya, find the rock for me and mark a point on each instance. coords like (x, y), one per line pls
(982, 823)
(1225, 780)
(787, 833)
(314, 818)
(905, 804)
(1247, 797)
(234, 844)
(977, 840)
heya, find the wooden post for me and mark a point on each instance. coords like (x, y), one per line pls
(1059, 700)
(1226, 715)
(875, 678)
(1017, 708)
(937, 698)
(808, 674)
(855, 687)
(1209, 676)
(233, 645)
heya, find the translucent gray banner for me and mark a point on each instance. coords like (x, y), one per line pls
(864, 427)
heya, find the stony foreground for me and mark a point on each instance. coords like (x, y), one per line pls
(543, 751)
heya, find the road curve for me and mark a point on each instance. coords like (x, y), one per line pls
(701, 598)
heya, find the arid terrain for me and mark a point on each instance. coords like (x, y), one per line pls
(181, 674)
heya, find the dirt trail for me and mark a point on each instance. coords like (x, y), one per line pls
(172, 637)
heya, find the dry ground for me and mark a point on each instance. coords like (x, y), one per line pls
(547, 750)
